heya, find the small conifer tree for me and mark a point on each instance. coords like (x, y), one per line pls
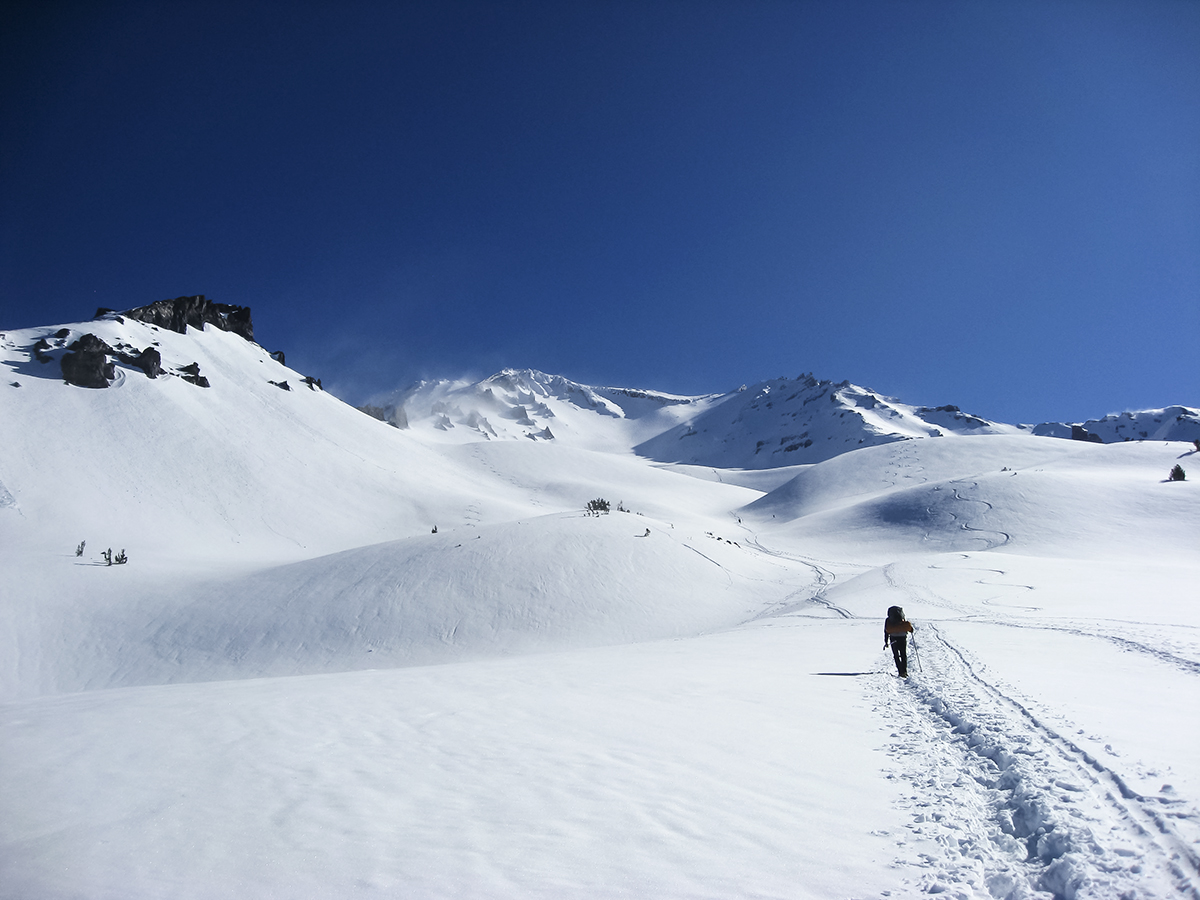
(1177, 474)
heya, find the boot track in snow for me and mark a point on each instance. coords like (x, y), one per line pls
(1005, 807)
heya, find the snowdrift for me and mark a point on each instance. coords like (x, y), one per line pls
(542, 584)
(1018, 494)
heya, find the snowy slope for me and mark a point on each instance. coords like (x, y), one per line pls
(992, 494)
(213, 491)
(238, 470)
(772, 424)
(788, 422)
(527, 404)
(297, 688)
(778, 423)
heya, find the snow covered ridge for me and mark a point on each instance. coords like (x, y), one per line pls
(781, 422)
(86, 359)
(1174, 423)
(804, 420)
(775, 423)
(527, 404)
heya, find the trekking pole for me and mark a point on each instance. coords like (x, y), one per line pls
(916, 655)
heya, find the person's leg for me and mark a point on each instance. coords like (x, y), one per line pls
(902, 656)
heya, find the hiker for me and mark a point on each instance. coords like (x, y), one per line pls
(895, 632)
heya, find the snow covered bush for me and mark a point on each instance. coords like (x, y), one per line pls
(598, 506)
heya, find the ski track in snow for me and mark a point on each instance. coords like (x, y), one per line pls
(906, 461)
(813, 593)
(1002, 805)
(1015, 809)
(965, 526)
(991, 601)
(1103, 630)
(1190, 666)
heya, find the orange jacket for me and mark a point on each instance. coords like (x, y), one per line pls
(896, 629)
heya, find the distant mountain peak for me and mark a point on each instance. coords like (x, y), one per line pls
(1171, 423)
(789, 421)
(779, 422)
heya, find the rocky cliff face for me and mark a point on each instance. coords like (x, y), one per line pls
(196, 311)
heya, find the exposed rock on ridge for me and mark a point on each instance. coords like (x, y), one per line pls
(196, 311)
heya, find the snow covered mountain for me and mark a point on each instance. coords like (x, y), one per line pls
(1173, 423)
(527, 404)
(350, 659)
(776, 423)
(789, 422)
(782, 422)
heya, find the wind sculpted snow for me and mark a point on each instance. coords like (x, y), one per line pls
(349, 659)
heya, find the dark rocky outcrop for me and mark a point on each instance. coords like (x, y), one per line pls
(149, 361)
(282, 385)
(39, 351)
(1079, 433)
(196, 311)
(86, 364)
(191, 373)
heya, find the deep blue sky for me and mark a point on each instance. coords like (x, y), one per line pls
(995, 205)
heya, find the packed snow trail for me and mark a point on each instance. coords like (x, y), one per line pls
(1004, 806)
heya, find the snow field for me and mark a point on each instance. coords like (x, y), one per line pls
(1053, 498)
(708, 767)
(551, 582)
